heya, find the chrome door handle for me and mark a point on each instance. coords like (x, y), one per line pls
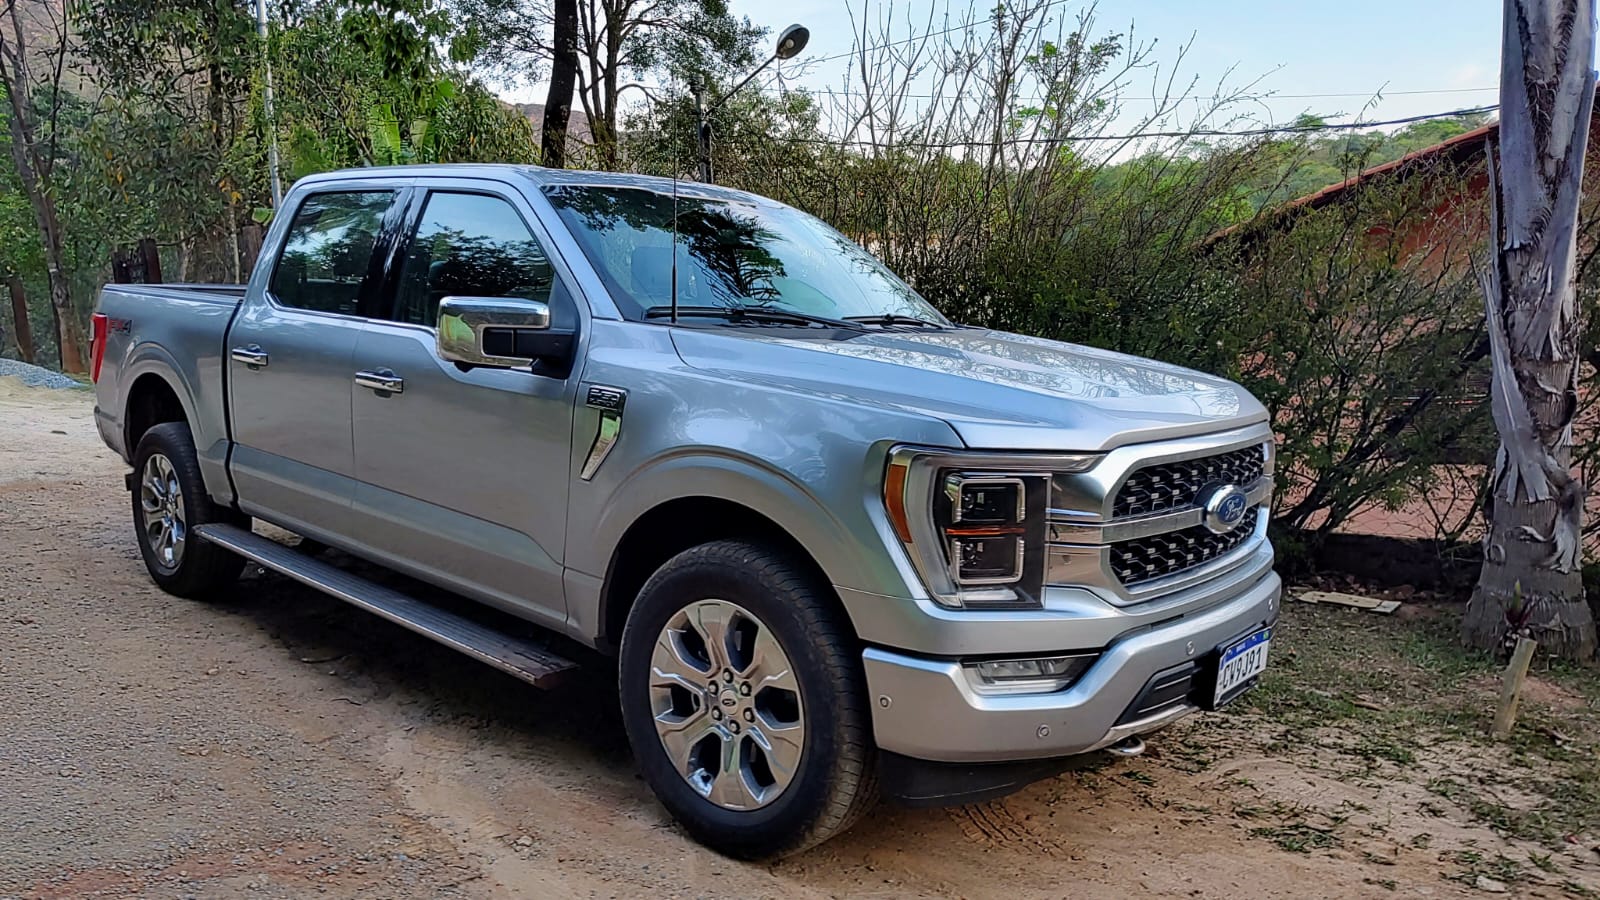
(252, 356)
(381, 380)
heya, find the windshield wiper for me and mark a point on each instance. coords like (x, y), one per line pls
(892, 319)
(763, 314)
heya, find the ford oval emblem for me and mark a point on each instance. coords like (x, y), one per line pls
(1224, 508)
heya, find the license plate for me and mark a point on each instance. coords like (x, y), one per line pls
(1240, 664)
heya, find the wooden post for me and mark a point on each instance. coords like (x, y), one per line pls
(19, 317)
(1511, 687)
(150, 258)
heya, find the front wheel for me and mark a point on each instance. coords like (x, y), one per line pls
(744, 704)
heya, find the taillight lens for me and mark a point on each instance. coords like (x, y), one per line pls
(97, 352)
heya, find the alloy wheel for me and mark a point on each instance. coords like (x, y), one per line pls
(726, 704)
(161, 498)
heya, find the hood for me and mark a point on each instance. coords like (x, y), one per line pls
(998, 391)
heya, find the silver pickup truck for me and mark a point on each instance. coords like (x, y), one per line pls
(839, 546)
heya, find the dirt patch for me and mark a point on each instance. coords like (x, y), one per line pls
(282, 744)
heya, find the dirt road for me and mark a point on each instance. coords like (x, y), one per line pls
(285, 745)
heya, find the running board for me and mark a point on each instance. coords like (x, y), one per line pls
(517, 656)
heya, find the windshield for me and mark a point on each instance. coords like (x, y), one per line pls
(729, 254)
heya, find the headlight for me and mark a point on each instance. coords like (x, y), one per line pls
(975, 524)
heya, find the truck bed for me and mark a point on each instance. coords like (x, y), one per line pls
(230, 294)
(166, 343)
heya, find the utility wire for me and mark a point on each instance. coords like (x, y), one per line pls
(1199, 132)
(1243, 98)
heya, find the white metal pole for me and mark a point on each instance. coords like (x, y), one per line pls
(266, 104)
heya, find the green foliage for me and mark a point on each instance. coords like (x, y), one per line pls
(1308, 163)
(344, 103)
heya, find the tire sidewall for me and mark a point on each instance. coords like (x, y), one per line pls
(157, 441)
(807, 796)
(198, 570)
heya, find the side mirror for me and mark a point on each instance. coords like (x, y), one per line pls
(505, 332)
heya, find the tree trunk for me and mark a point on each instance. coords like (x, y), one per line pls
(563, 79)
(19, 316)
(605, 137)
(35, 164)
(1531, 579)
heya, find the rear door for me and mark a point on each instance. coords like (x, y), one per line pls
(462, 473)
(290, 352)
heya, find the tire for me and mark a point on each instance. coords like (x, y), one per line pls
(185, 566)
(765, 805)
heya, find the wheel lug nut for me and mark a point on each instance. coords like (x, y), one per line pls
(749, 715)
(728, 676)
(716, 714)
(744, 689)
(734, 727)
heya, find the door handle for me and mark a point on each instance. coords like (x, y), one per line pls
(381, 380)
(252, 356)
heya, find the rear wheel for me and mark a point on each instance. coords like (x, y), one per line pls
(169, 500)
(743, 700)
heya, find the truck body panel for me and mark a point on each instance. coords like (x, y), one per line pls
(329, 397)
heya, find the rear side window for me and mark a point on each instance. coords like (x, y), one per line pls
(470, 245)
(328, 251)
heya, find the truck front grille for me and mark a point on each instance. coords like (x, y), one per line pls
(1157, 556)
(1166, 487)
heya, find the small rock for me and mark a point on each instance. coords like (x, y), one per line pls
(1490, 886)
(523, 841)
(213, 670)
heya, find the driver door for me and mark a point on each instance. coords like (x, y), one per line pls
(462, 473)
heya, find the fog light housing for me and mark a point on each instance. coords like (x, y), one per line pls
(1035, 675)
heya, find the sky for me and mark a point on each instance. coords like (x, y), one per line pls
(1356, 47)
(1288, 48)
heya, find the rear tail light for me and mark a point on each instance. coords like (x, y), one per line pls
(97, 353)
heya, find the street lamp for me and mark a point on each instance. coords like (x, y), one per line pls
(790, 43)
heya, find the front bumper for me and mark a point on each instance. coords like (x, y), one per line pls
(928, 709)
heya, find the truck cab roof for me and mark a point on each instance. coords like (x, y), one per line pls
(539, 176)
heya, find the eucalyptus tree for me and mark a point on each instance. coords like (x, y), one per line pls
(622, 46)
(34, 40)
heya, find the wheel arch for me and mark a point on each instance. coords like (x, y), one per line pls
(673, 526)
(152, 400)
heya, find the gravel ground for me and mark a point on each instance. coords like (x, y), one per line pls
(282, 744)
(35, 376)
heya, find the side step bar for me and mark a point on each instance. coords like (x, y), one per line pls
(522, 658)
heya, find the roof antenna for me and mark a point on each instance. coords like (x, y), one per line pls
(674, 319)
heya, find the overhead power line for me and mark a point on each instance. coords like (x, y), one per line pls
(1241, 98)
(1140, 135)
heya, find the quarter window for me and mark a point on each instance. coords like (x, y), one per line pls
(328, 251)
(469, 245)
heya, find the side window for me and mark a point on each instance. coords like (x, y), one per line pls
(328, 250)
(469, 245)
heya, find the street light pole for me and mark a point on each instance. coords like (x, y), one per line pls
(790, 43)
(266, 104)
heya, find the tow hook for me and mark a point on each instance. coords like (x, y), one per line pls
(1128, 747)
